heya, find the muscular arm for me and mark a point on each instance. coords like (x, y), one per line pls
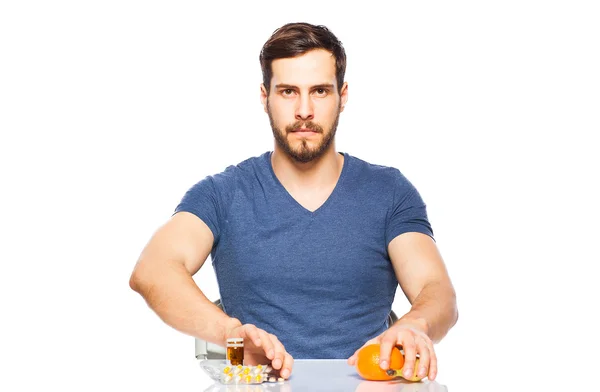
(425, 282)
(163, 277)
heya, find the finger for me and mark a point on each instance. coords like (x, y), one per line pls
(278, 353)
(288, 363)
(267, 344)
(388, 341)
(410, 353)
(428, 360)
(433, 367)
(352, 359)
(424, 358)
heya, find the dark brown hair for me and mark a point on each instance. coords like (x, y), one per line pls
(295, 39)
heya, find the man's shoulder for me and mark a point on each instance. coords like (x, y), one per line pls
(375, 171)
(243, 169)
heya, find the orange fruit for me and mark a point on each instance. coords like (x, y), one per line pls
(367, 363)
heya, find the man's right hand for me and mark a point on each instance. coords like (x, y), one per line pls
(261, 347)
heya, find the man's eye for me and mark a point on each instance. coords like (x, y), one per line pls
(321, 91)
(288, 91)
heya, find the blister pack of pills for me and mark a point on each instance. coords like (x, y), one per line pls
(240, 374)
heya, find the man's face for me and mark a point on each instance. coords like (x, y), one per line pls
(304, 105)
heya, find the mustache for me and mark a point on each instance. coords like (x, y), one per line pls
(314, 127)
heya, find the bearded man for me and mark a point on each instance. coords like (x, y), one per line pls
(308, 244)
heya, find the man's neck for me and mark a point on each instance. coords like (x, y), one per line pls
(321, 173)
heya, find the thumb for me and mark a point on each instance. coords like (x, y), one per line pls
(352, 359)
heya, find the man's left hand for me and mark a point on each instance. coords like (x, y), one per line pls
(414, 340)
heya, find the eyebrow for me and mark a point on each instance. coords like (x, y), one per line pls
(286, 86)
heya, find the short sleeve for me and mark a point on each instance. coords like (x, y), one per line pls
(202, 200)
(408, 212)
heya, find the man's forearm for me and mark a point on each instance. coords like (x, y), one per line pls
(434, 310)
(171, 292)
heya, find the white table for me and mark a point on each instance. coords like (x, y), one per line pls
(329, 375)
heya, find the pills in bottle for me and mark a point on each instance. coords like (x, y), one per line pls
(235, 351)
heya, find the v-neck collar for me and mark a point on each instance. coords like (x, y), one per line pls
(293, 201)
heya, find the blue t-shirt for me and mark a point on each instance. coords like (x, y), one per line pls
(321, 281)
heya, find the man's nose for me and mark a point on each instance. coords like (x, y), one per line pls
(304, 109)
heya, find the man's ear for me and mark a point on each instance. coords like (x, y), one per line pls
(263, 97)
(343, 96)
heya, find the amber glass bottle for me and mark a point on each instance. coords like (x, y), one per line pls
(235, 351)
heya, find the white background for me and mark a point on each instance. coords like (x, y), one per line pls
(110, 111)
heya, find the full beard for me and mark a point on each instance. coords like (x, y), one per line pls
(304, 153)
